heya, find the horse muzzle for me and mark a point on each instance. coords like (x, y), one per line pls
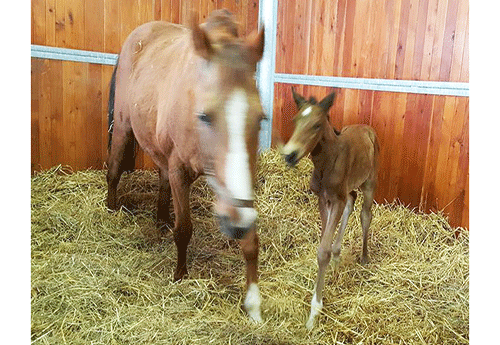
(233, 231)
(291, 159)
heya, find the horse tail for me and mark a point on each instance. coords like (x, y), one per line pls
(111, 104)
(129, 154)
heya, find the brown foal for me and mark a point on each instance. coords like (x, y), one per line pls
(343, 161)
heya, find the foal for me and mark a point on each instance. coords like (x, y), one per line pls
(343, 161)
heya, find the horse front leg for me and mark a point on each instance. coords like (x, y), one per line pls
(180, 183)
(333, 211)
(250, 248)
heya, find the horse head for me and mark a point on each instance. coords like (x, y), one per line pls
(229, 113)
(310, 122)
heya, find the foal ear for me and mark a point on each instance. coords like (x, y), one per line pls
(255, 44)
(327, 102)
(299, 100)
(202, 45)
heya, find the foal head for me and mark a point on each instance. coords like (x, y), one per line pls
(229, 115)
(310, 123)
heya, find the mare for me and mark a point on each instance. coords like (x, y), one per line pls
(188, 97)
(343, 161)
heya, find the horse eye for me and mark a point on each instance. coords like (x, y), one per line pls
(317, 127)
(205, 118)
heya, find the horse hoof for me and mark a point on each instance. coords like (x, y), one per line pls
(364, 260)
(179, 275)
(310, 324)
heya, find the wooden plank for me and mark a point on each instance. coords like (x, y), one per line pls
(459, 41)
(457, 166)
(93, 118)
(175, 14)
(421, 32)
(289, 44)
(378, 53)
(430, 34)
(437, 46)
(252, 16)
(428, 199)
(396, 137)
(44, 123)
(60, 24)
(38, 22)
(399, 61)
(410, 40)
(36, 71)
(338, 60)
(442, 175)
(300, 39)
(157, 9)
(393, 14)
(415, 138)
(50, 23)
(56, 112)
(361, 38)
(448, 41)
(347, 70)
(112, 27)
(464, 73)
(94, 25)
(75, 24)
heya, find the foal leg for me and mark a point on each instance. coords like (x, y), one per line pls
(250, 248)
(333, 212)
(349, 207)
(368, 189)
(180, 183)
(122, 137)
(163, 219)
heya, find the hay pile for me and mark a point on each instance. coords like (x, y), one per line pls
(102, 278)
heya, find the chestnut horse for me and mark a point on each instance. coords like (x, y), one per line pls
(343, 161)
(188, 97)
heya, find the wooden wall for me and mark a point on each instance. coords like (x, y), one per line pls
(424, 138)
(69, 99)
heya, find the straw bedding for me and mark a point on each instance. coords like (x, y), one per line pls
(105, 278)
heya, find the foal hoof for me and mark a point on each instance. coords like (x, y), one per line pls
(364, 260)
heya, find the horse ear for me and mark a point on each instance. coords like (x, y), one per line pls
(202, 45)
(327, 102)
(299, 100)
(255, 43)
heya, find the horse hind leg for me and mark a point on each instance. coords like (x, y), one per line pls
(368, 189)
(336, 247)
(121, 158)
(163, 219)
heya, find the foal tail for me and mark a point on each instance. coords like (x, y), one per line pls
(130, 147)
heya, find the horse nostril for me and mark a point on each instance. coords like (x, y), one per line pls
(291, 158)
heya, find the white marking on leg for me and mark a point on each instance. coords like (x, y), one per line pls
(316, 307)
(252, 303)
(237, 170)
